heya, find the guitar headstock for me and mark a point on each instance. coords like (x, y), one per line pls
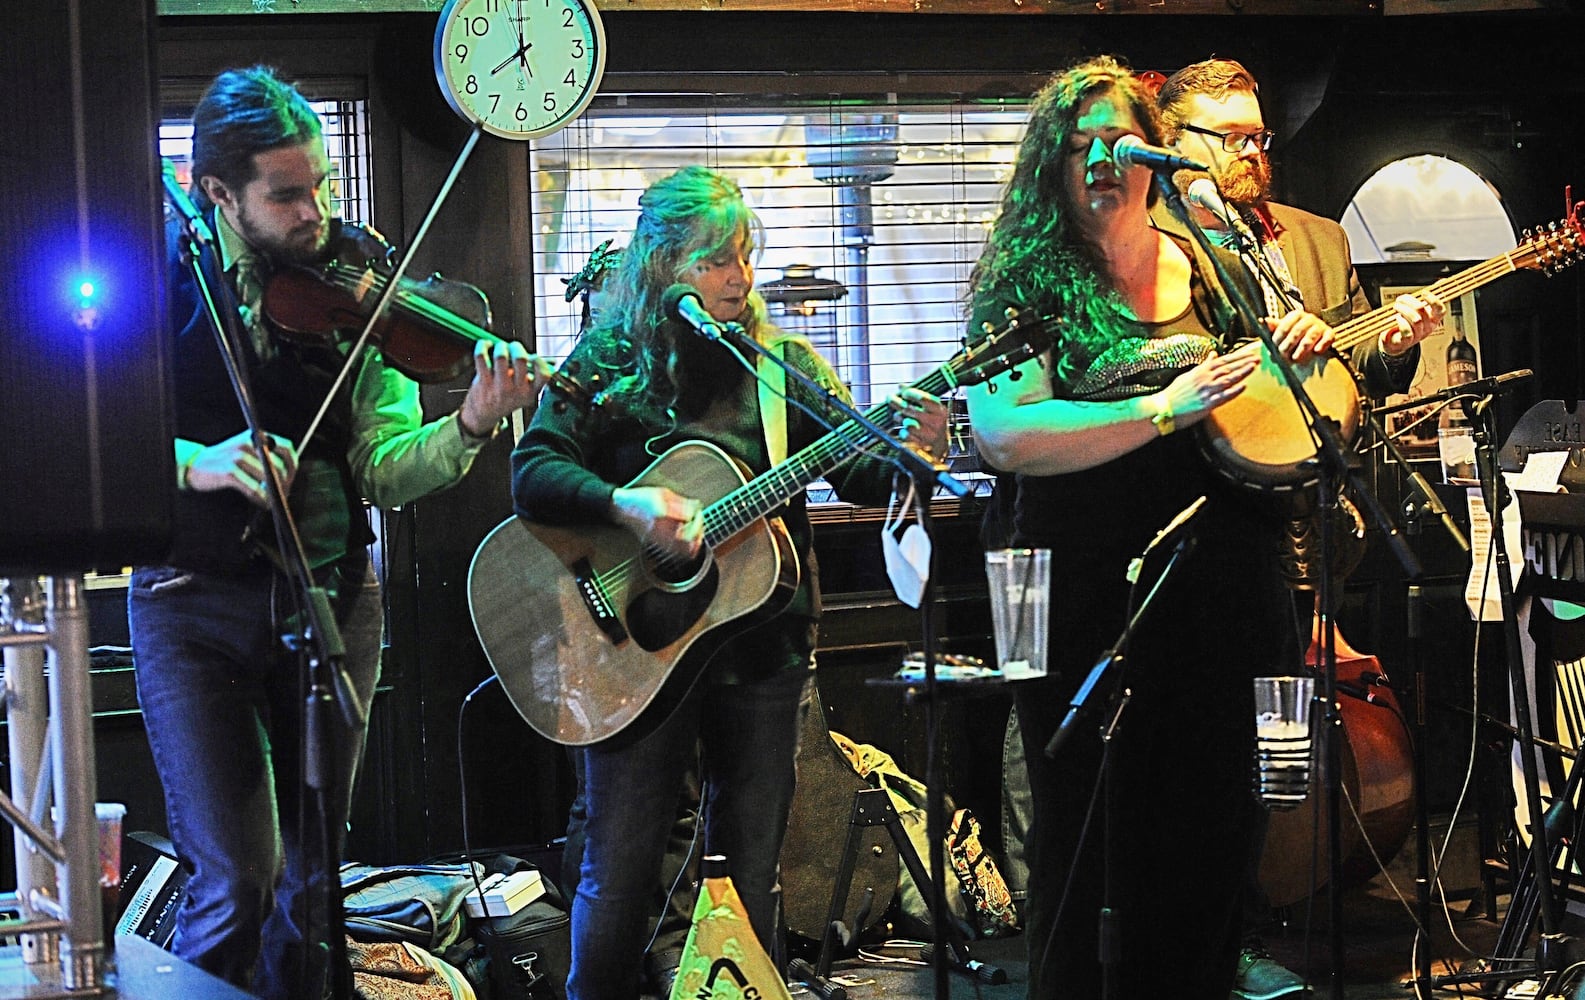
(572, 390)
(1023, 334)
(1551, 248)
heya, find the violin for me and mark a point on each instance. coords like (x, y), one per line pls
(427, 331)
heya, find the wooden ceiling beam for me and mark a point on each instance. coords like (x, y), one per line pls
(276, 7)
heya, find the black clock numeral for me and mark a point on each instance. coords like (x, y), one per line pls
(461, 52)
(550, 102)
(492, 6)
(495, 102)
(577, 48)
(568, 80)
(566, 17)
(472, 86)
(521, 114)
(477, 27)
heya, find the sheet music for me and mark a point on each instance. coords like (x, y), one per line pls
(1481, 595)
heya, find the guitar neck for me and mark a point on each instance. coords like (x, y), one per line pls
(769, 490)
(1373, 324)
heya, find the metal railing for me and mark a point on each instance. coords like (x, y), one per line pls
(49, 715)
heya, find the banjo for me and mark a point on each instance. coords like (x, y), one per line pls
(1261, 438)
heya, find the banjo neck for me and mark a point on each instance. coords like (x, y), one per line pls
(1549, 249)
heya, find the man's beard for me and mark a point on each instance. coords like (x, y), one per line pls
(289, 251)
(1246, 181)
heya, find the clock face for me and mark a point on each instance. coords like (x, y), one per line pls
(519, 68)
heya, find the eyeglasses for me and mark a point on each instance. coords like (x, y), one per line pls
(1233, 142)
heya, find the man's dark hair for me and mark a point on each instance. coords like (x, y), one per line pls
(245, 112)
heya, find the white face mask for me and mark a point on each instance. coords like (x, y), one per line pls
(907, 560)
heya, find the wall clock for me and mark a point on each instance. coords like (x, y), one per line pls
(519, 69)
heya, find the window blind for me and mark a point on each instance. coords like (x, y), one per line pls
(882, 204)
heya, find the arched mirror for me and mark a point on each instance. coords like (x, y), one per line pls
(1426, 208)
(1413, 222)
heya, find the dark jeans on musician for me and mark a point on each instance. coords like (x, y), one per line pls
(223, 703)
(749, 734)
(675, 891)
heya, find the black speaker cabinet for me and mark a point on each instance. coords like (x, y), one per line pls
(86, 464)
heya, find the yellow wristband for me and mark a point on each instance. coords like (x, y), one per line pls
(1163, 419)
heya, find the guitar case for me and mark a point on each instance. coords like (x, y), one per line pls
(817, 831)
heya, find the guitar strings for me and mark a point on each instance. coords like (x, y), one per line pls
(1374, 324)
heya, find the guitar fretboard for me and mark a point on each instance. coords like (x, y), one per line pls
(769, 490)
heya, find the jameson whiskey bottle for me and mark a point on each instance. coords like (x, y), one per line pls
(1454, 437)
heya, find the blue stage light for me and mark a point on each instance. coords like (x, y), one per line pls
(86, 311)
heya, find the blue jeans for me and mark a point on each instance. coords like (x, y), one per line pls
(223, 703)
(749, 738)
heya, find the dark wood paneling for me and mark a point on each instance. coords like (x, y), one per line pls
(85, 427)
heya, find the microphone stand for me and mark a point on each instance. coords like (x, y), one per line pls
(1534, 890)
(926, 475)
(1110, 928)
(1334, 465)
(319, 641)
(921, 468)
(1549, 956)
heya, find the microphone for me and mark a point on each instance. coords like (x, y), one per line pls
(196, 226)
(1478, 395)
(682, 302)
(1132, 151)
(1174, 526)
(1202, 192)
(1493, 384)
(1103, 666)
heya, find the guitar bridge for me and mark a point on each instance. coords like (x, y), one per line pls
(599, 607)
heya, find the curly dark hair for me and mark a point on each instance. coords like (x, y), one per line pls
(1033, 255)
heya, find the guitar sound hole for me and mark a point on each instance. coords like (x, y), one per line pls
(662, 614)
(669, 570)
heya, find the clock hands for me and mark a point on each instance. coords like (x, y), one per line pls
(521, 55)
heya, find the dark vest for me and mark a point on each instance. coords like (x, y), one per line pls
(288, 390)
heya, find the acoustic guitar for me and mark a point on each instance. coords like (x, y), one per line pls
(588, 629)
(1261, 439)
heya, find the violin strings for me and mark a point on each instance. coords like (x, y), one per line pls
(417, 304)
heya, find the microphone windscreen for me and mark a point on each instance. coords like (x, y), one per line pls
(672, 299)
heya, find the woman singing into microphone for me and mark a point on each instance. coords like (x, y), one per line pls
(1095, 433)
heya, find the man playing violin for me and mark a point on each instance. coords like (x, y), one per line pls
(222, 696)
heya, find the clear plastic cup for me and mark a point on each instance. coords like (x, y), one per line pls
(1020, 588)
(110, 816)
